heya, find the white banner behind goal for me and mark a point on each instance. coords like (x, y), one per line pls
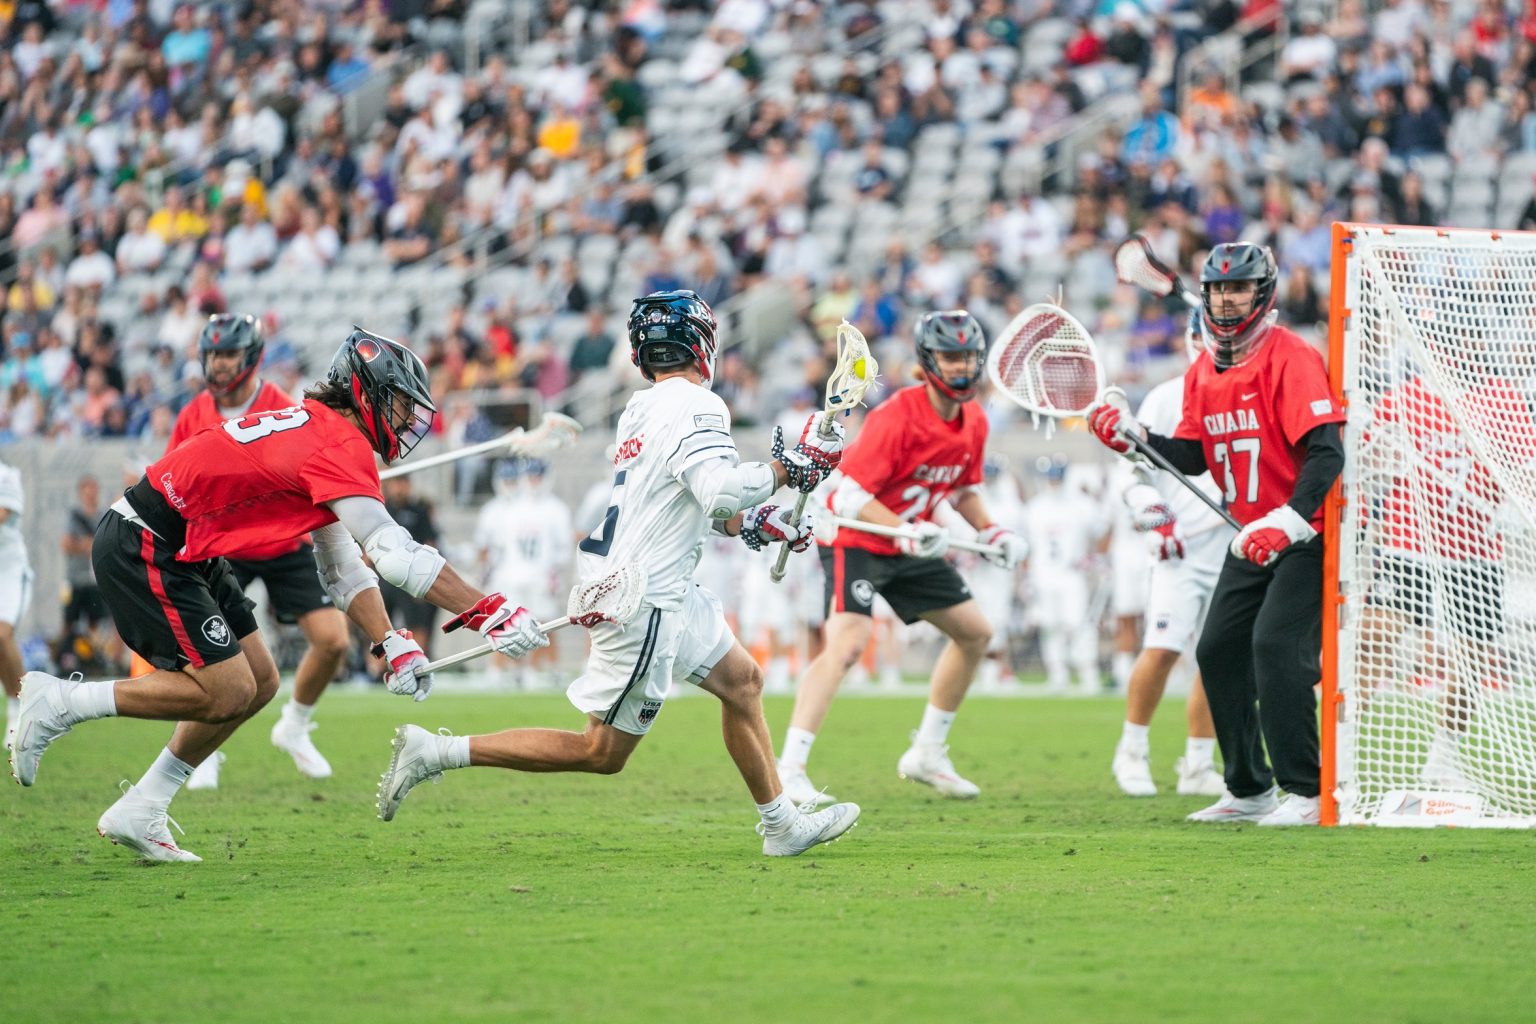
(1434, 687)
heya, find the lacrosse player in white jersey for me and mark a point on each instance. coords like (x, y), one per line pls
(996, 588)
(524, 536)
(1188, 543)
(678, 476)
(15, 592)
(1130, 572)
(1063, 525)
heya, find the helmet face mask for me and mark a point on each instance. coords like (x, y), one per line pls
(230, 334)
(952, 331)
(1231, 338)
(390, 392)
(675, 320)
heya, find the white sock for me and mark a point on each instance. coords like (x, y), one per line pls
(797, 747)
(1134, 736)
(1121, 668)
(164, 778)
(1198, 750)
(935, 727)
(455, 751)
(90, 701)
(777, 812)
(302, 712)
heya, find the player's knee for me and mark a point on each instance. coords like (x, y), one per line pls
(606, 760)
(329, 637)
(974, 639)
(266, 688)
(230, 700)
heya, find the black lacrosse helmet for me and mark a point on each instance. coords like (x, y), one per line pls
(229, 332)
(953, 330)
(389, 390)
(1231, 339)
(678, 321)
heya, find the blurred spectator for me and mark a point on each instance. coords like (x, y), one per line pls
(593, 346)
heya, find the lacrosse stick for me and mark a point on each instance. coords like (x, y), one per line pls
(851, 378)
(613, 598)
(1135, 263)
(897, 533)
(554, 431)
(1047, 363)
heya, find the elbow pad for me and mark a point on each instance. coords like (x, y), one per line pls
(408, 565)
(848, 498)
(724, 491)
(340, 566)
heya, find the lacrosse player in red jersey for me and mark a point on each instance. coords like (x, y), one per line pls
(1260, 416)
(922, 446)
(677, 478)
(255, 483)
(230, 348)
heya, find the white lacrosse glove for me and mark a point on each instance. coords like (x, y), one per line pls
(814, 457)
(1267, 537)
(770, 524)
(1152, 517)
(928, 540)
(1011, 548)
(406, 661)
(509, 629)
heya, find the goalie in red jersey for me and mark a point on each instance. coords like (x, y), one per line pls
(923, 446)
(230, 348)
(256, 484)
(1259, 414)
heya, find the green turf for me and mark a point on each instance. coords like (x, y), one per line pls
(499, 897)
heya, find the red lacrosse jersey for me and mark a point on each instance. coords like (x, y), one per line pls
(1444, 501)
(910, 460)
(1250, 421)
(249, 489)
(203, 412)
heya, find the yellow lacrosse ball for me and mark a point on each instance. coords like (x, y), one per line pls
(859, 369)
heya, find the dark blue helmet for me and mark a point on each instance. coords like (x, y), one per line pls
(668, 329)
(953, 330)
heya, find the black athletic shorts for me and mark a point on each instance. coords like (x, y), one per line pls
(293, 584)
(171, 613)
(911, 586)
(1474, 595)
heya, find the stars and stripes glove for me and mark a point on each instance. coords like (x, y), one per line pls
(510, 630)
(1264, 539)
(813, 457)
(770, 524)
(1113, 425)
(1154, 518)
(928, 540)
(1011, 548)
(406, 660)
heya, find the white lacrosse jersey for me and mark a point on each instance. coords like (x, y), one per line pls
(1062, 527)
(1160, 413)
(653, 519)
(11, 498)
(527, 540)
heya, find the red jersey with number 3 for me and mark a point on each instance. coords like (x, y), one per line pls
(1250, 421)
(909, 460)
(250, 489)
(203, 412)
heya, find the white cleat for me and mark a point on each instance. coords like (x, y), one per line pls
(807, 829)
(292, 736)
(1133, 771)
(1293, 810)
(799, 789)
(929, 764)
(140, 825)
(415, 760)
(206, 775)
(1199, 779)
(45, 715)
(1239, 808)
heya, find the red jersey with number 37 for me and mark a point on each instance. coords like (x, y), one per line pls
(910, 460)
(202, 412)
(1250, 421)
(249, 489)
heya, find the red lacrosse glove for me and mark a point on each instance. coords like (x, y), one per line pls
(1264, 539)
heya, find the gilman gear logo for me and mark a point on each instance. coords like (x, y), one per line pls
(864, 592)
(216, 631)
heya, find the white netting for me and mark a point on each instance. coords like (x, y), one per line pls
(1437, 545)
(1135, 264)
(1046, 361)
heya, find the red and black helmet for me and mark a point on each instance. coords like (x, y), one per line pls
(953, 330)
(389, 389)
(1231, 339)
(228, 332)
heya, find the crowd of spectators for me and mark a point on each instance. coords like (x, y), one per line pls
(175, 153)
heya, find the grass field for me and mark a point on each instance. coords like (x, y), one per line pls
(502, 897)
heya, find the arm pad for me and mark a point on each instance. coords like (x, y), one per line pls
(408, 565)
(723, 489)
(848, 497)
(342, 572)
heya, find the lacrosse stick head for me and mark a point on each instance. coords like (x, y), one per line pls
(613, 598)
(855, 372)
(1047, 363)
(555, 430)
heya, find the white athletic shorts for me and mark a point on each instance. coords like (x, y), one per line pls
(993, 589)
(630, 671)
(1180, 594)
(15, 590)
(1130, 563)
(1060, 600)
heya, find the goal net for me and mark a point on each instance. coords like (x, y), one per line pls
(1430, 642)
